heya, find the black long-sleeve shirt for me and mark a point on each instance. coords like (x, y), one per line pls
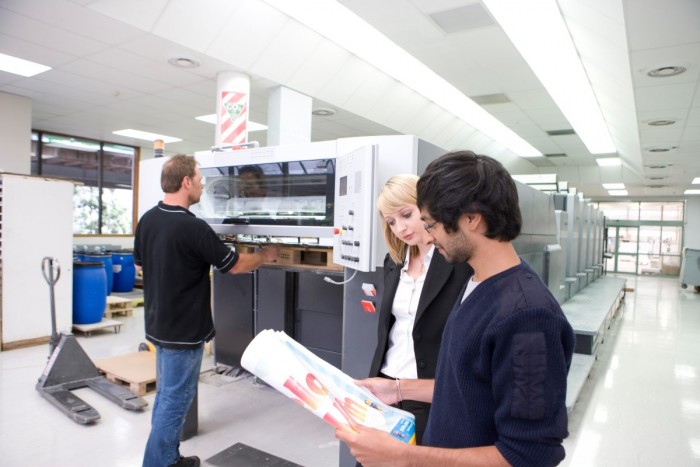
(176, 251)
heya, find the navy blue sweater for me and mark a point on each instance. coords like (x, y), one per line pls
(501, 375)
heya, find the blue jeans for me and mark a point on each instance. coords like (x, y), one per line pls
(178, 374)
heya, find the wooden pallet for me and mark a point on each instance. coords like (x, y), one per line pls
(137, 387)
(103, 324)
(118, 306)
(137, 371)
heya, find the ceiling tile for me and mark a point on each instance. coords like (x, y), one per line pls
(285, 55)
(359, 89)
(242, 46)
(324, 62)
(139, 14)
(653, 24)
(78, 20)
(67, 43)
(197, 24)
(661, 98)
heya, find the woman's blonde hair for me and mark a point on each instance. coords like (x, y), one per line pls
(399, 191)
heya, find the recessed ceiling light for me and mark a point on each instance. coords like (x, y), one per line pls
(183, 62)
(144, 135)
(696, 181)
(608, 161)
(666, 71)
(617, 192)
(691, 192)
(323, 112)
(662, 122)
(614, 186)
(20, 66)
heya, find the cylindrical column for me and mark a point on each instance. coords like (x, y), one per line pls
(232, 91)
(288, 117)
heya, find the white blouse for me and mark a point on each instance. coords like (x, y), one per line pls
(400, 358)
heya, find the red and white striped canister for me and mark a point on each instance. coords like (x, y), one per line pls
(233, 93)
(234, 117)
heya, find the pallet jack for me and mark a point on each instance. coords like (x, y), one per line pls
(70, 368)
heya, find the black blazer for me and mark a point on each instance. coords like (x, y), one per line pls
(441, 290)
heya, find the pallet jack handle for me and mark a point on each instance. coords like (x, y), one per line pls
(51, 269)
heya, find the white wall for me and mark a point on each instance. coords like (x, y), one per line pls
(26, 240)
(15, 133)
(692, 223)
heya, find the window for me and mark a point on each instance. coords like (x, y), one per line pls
(104, 175)
(620, 211)
(651, 211)
(644, 237)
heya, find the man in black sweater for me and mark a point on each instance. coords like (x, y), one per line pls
(498, 397)
(176, 251)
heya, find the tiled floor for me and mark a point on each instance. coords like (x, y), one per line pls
(640, 406)
(33, 433)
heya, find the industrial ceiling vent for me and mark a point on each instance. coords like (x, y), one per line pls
(565, 132)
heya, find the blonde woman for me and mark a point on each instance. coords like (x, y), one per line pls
(420, 289)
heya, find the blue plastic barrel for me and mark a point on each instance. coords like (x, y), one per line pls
(89, 292)
(106, 260)
(124, 272)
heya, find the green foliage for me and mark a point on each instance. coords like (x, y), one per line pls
(116, 211)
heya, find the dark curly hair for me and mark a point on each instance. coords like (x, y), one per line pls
(463, 182)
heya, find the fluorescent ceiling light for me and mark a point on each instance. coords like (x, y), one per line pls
(691, 192)
(335, 22)
(609, 161)
(614, 186)
(536, 178)
(537, 29)
(211, 118)
(21, 67)
(696, 181)
(129, 133)
(544, 186)
(252, 126)
(617, 192)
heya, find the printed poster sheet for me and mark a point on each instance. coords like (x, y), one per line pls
(321, 388)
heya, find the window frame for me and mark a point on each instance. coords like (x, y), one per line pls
(100, 177)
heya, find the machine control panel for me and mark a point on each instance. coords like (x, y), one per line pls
(355, 217)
